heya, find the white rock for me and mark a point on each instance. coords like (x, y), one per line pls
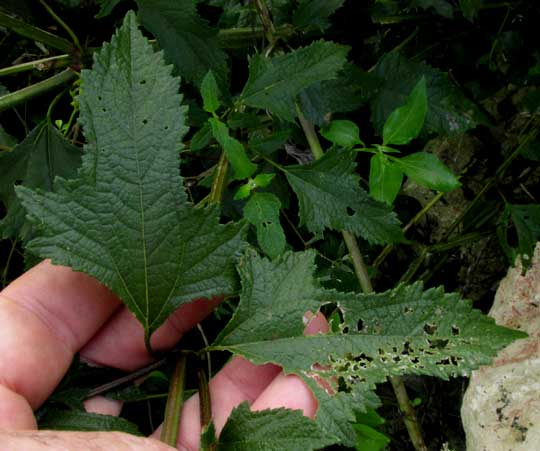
(501, 407)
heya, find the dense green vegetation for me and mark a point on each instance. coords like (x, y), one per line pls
(376, 161)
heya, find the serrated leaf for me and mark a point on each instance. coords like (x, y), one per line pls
(76, 420)
(315, 13)
(274, 83)
(450, 112)
(267, 289)
(343, 133)
(35, 162)
(189, 42)
(126, 219)
(406, 122)
(271, 430)
(330, 196)
(234, 150)
(210, 93)
(384, 179)
(402, 331)
(262, 210)
(427, 170)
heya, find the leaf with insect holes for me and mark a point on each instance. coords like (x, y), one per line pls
(402, 331)
(330, 196)
(271, 430)
(126, 219)
(274, 83)
(35, 162)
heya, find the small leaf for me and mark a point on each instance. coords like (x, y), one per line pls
(343, 133)
(234, 150)
(427, 170)
(384, 179)
(76, 420)
(263, 180)
(201, 138)
(262, 210)
(210, 93)
(406, 122)
(470, 8)
(330, 196)
(271, 430)
(274, 83)
(125, 219)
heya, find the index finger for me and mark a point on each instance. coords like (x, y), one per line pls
(46, 316)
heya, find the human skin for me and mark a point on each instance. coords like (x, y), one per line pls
(51, 312)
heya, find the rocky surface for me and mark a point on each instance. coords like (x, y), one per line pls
(501, 407)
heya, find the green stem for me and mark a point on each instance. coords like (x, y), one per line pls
(388, 248)
(220, 180)
(41, 65)
(60, 22)
(37, 34)
(104, 388)
(175, 400)
(358, 261)
(240, 37)
(413, 428)
(25, 94)
(8, 262)
(409, 415)
(204, 398)
(268, 25)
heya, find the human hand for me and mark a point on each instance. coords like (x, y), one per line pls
(51, 312)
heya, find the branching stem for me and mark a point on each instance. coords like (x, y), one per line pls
(360, 269)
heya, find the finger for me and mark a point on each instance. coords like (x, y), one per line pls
(15, 412)
(120, 343)
(46, 315)
(103, 406)
(237, 382)
(95, 441)
(290, 391)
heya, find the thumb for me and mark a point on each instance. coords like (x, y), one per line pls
(67, 441)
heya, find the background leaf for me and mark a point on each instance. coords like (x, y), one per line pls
(35, 162)
(315, 13)
(76, 420)
(189, 42)
(274, 83)
(406, 122)
(427, 170)
(271, 430)
(330, 196)
(262, 210)
(126, 220)
(450, 112)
